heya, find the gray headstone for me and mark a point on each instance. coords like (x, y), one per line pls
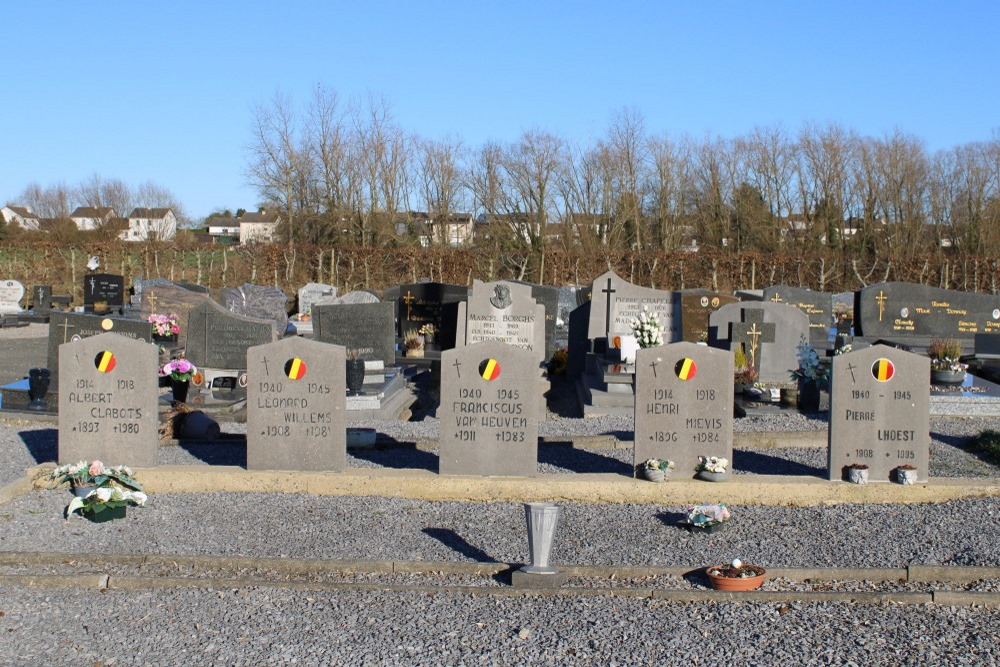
(296, 404)
(72, 327)
(164, 299)
(11, 293)
(615, 302)
(683, 405)
(104, 287)
(489, 411)
(258, 301)
(897, 311)
(193, 287)
(107, 401)
(818, 307)
(696, 306)
(365, 329)
(770, 334)
(218, 338)
(879, 412)
(310, 292)
(505, 311)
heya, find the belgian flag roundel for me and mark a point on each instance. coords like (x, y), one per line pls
(295, 368)
(686, 369)
(489, 369)
(105, 361)
(882, 370)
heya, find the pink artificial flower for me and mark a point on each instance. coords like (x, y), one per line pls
(95, 468)
(175, 329)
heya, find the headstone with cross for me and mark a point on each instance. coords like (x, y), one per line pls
(769, 332)
(683, 405)
(818, 307)
(427, 303)
(489, 410)
(879, 413)
(107, 401)
(72, 327)
(41, 298)
(616, 302)
(103, 288)
(296, 406)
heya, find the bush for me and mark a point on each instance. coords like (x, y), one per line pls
(987, 444)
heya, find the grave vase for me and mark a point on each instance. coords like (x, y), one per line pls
(541, 519)
(857, 475)
(808, 396)
(428, 338)
(180, 390)
(355, 375)
(947, 377)
(709, 476)
(82, 491)
(656, 474)
(38, 386)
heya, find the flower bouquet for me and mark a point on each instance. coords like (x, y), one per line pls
(164, 325)
(657, 470)
(810, 369)
(179, 369)
(647, 329)
(101, 492)
(94, 474)
(712, 468)
(705, 518)
(105, 503)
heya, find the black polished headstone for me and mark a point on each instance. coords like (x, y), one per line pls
(104, 287)
(900, 311)
(818, 306)
(364, 329)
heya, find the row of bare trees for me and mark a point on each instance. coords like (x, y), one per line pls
(346, 172)
(57, 201)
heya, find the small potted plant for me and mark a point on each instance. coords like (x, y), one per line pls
(427, 331)
(179, 372)
(736, 576)
(906, 474)
(657, 470)
(857, 473)
(946, 367)
(712, 468)
(101, 493)
(705, 518)
(647, 329)
(105, 503)
(413, 343)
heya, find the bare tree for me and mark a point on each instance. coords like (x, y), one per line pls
(440, 175)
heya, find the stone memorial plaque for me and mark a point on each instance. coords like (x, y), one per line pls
(218, 338)
(104, 287)
(818, 306)
(548, 297)
(296, 405)
(489, 410)
(879, 412)
(11, 292)
(769, 332)
(683, 405)
(107, 401)
(696, 306)
(310, 292)
(423, 303)
(364, 329)
(72, 327)
(167, 299)
(897, 311)
(257, 301)
(505, 311)
(41, 298)
(615, 302)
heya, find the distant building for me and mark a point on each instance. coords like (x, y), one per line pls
(150, 224)
(222, 230)
(89, 218)
(23, 217)
(258, 227)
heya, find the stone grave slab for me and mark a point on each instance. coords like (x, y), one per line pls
(769, 332)
(108, 288)
(107, 401)
(879, 412)
(68, 327)
(41, 298)
(489, 410)
(218, 338)
(818, 306)
(11, 293)
(695, 308)
(424, 303)
(365, 329)
(901, 311)
(615, 302)
(258, 301)
(504, 311)
(548, 297)
(296, 405)
(164, 299)
(683, 405)
(310, 293)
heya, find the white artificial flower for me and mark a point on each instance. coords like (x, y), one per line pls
(737, 563)
(140, 498)
(103, 494)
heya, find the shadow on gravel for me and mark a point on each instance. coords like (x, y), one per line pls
(581, 460)
(965, 444)
(672, 519)
(219, 453)
(764, 464)
(457, 543)
(42, 445)
(397, 455)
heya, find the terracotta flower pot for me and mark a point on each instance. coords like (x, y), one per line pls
(722, 583)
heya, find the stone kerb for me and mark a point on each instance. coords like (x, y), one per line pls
(683, 405)
(108, 401)
(879, 412)
(296, 405)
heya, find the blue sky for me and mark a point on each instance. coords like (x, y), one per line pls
(162, 92)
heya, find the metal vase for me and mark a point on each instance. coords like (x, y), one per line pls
(542, 519)
(38, 386)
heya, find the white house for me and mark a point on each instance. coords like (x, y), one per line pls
(89, 218)
(23, 217)
(150, 224)
(258, 227)
(223, 230)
